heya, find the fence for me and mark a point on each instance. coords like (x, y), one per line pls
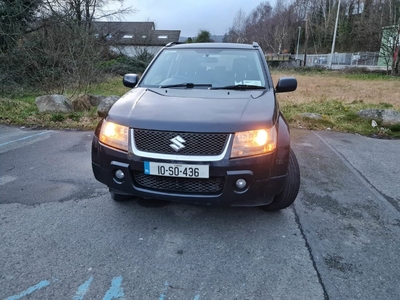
(342, 59)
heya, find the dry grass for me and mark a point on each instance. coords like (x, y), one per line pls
(336, 97)
(320, 88)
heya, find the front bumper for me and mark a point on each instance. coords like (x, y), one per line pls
(265, 176)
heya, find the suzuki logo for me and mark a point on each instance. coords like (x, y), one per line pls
(177, 143)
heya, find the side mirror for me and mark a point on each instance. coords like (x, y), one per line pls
(130, 80)
(286, 84)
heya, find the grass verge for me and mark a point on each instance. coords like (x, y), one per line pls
(338, 116)
(337, 97)
(22, 111)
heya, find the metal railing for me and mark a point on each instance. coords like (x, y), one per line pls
(342, 59)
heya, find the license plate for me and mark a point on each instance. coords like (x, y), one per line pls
(176, 170)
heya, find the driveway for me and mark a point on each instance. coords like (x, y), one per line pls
(62, 237)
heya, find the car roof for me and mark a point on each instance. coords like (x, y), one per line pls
(212, 45)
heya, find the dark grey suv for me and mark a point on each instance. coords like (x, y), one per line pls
(202, 125)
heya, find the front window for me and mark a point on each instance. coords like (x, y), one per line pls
(215, 68)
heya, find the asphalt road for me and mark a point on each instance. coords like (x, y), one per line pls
(62, 237)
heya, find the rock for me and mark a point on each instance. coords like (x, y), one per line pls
(390, 117)
(54, 103)
(105, 105)
(312, 116)
(370, 114)
(387, 117)
(86, 102)
(95, 100)
(82, 103)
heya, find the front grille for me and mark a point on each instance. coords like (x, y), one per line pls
(212, 185)
(201, 144)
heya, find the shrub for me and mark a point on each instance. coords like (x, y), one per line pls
(123, 64)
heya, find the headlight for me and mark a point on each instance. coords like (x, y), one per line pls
(254, 142)
(114, 135)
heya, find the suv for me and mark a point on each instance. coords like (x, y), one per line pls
(203, 126)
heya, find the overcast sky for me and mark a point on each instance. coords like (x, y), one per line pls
(189, 16)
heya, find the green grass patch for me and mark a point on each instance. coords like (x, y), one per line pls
(112, 86)
(22, 110)
(370, 76)
(337, 116)
(349, 73)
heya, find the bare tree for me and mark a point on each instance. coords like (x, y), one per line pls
(389, 52)
(257, 23)
(84, 12)
(236, 32)
(56, 48)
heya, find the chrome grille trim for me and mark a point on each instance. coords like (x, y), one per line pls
(177, 157)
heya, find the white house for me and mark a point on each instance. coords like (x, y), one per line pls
(132, 38)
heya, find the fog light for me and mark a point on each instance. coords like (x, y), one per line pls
(241, 183)
(119, 175)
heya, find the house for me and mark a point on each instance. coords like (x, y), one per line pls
(132, 38)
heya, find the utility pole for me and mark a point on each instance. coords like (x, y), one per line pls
(334, 36)
(298, 42)
(306, 41)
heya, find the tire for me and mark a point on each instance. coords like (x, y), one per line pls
(290, 188)
(119, 197)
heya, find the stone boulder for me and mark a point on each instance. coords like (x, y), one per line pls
(312, 116)
(95, 100)
(387, 117)
(86, 102)
(105, 105)
(82, 103)
(54, 103)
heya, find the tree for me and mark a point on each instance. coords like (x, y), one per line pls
(389, 52)
(16, 16)
(256, 25)
(48, 44)
(83, 12)
(275, 27)
(203, 36)
(236, 32)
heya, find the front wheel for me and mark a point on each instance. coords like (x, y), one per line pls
(290, 188)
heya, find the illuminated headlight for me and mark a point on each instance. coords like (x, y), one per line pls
(254, 142)
(114, 135)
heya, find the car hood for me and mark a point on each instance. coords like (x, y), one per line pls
(195, 110)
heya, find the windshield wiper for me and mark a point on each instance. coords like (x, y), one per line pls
(239, 87)
(187, 85)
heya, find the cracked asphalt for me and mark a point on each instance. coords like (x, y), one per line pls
(62, 237)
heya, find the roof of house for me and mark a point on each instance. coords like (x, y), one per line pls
(135, 33)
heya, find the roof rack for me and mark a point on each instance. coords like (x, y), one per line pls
(255, 45)
(173, 43)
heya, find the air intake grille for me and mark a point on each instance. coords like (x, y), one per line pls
(212, 185)
(200, 144)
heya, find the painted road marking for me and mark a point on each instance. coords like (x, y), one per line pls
(164, 291)
(82, 290)
(7, 179)
(115, 291)
(30, 290)
(25, 138)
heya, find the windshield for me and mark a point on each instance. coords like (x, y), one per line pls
(206, 68)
